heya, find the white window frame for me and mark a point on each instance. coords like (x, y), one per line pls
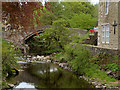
(107, 33)
(106, 7)
(103, 35)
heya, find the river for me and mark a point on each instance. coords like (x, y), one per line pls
(46, 75)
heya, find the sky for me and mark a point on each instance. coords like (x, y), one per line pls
(94, 1)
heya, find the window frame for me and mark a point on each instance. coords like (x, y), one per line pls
(106, 7)
(103, 36)
(107, 33)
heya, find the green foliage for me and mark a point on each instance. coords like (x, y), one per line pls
(54, 38)
(77, 14)
(83, 21)
(79, 59)
(113, 67)
(8, 58)
(78, 55)
(101, 58)
(79, 39)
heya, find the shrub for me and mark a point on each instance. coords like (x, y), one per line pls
(113, 67)
(8, 58)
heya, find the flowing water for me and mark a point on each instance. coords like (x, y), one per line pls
(46, 75)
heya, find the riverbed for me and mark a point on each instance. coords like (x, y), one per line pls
(46, 75)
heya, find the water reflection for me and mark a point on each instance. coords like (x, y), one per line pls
(46, 75)
(24, 85)
(45, 71)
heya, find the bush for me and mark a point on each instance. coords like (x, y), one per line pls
(79, 58)
(8, 58)
(113, 67)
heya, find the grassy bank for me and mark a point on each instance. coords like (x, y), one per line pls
(81, 61)
(9, 62)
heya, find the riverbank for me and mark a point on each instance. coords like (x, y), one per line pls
(64, 65)
(40, 71)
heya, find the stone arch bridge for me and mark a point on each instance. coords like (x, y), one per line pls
(19, 37)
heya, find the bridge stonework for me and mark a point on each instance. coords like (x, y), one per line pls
(19, 37)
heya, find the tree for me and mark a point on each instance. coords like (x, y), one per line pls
(76, 14)
(83, 21)
(22, 13)
(53, 38)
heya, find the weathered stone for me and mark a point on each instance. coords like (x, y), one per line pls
(11, 85)
(48, 60)
(109, 72)
(97, 86)
(34, 58)
(103, 87)
(20, 70)
(61, 64)
(28, 56)
(108, 18)
(66, 67)
(40, 57)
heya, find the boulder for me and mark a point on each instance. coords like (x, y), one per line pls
(48, 60)
(39, 57)
(109, 72)
(97, 86)
(61, 65)
(66, 67)
(104, 87)
(34, 58)
(47, 57)
(28, 56)
(11, 85)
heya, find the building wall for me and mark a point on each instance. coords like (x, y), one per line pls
(119, 23)
(108, 19)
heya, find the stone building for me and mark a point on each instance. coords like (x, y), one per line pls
(109, 24)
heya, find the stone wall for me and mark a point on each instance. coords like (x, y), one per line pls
(119, 23)
(96, 50)
(80, 31)
(112, 15)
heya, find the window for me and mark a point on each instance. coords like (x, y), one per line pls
(106, 7)
(107, 33)
(103, 34)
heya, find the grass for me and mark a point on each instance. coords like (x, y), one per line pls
(80, 60)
